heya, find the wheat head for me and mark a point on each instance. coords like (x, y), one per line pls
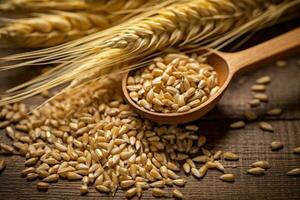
(177, 23)
(46, 30)
(67, 5)
(56, 27)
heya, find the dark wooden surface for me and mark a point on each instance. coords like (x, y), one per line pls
(250, 143)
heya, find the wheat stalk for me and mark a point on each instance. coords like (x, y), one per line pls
(208, 23)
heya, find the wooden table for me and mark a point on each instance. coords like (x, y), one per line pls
(251, 144)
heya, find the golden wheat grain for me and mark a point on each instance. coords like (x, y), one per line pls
(202, 22)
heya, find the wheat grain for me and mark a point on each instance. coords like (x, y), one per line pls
(179, 182)
(256, 171)
(262, 164)
(261, 96)
(296, 150)
(274, 111)
(42, 173)
(27, 171)
(84, 190)
(42, 186)
(6, 149)
(51, 178)
(177, 194)
(31, 162)
(276, 145)
(4, 123)
(258, 88)
(254, 102)
(219, 166)
(201, 141)
(294, 172)
(201, 159)
(230, 156)
(156, 192)
(31, 176)
(202, 171)
(266, 126)
(211, 165)
(238, 125)
(131, 192)
(227, 177)
(158, 184)
(263, 80)
(281, 63)
(217, 155)
(159, 28)
(250, 115)
(186, 168)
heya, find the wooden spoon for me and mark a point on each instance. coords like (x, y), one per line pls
(226, 65)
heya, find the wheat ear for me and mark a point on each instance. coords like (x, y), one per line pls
(209, 23)
(57, 27)
(46, 30)
(67, 5)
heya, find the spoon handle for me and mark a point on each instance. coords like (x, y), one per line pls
(262, 53)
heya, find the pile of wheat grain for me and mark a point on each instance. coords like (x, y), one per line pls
(173, 83)
(95, 137)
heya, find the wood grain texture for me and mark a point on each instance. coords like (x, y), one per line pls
(251, 144)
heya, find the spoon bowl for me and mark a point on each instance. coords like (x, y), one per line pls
(226, 65)
(222, 69)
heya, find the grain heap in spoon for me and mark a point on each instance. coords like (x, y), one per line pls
(173, 83)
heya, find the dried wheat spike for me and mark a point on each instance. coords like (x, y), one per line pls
(197, 22)
(57, 27)
(46, 30)
(67, 5)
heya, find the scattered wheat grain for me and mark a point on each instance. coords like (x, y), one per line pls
(256, 171)
(263, 80)
(294, 172)
(227, 177)
(296, 150)
(261, 96)
(274, 111)
(230, 156)
(276, 145)
(238, 125)
(281, 63)
(42, 186)
(266, 126)
(262, 164)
